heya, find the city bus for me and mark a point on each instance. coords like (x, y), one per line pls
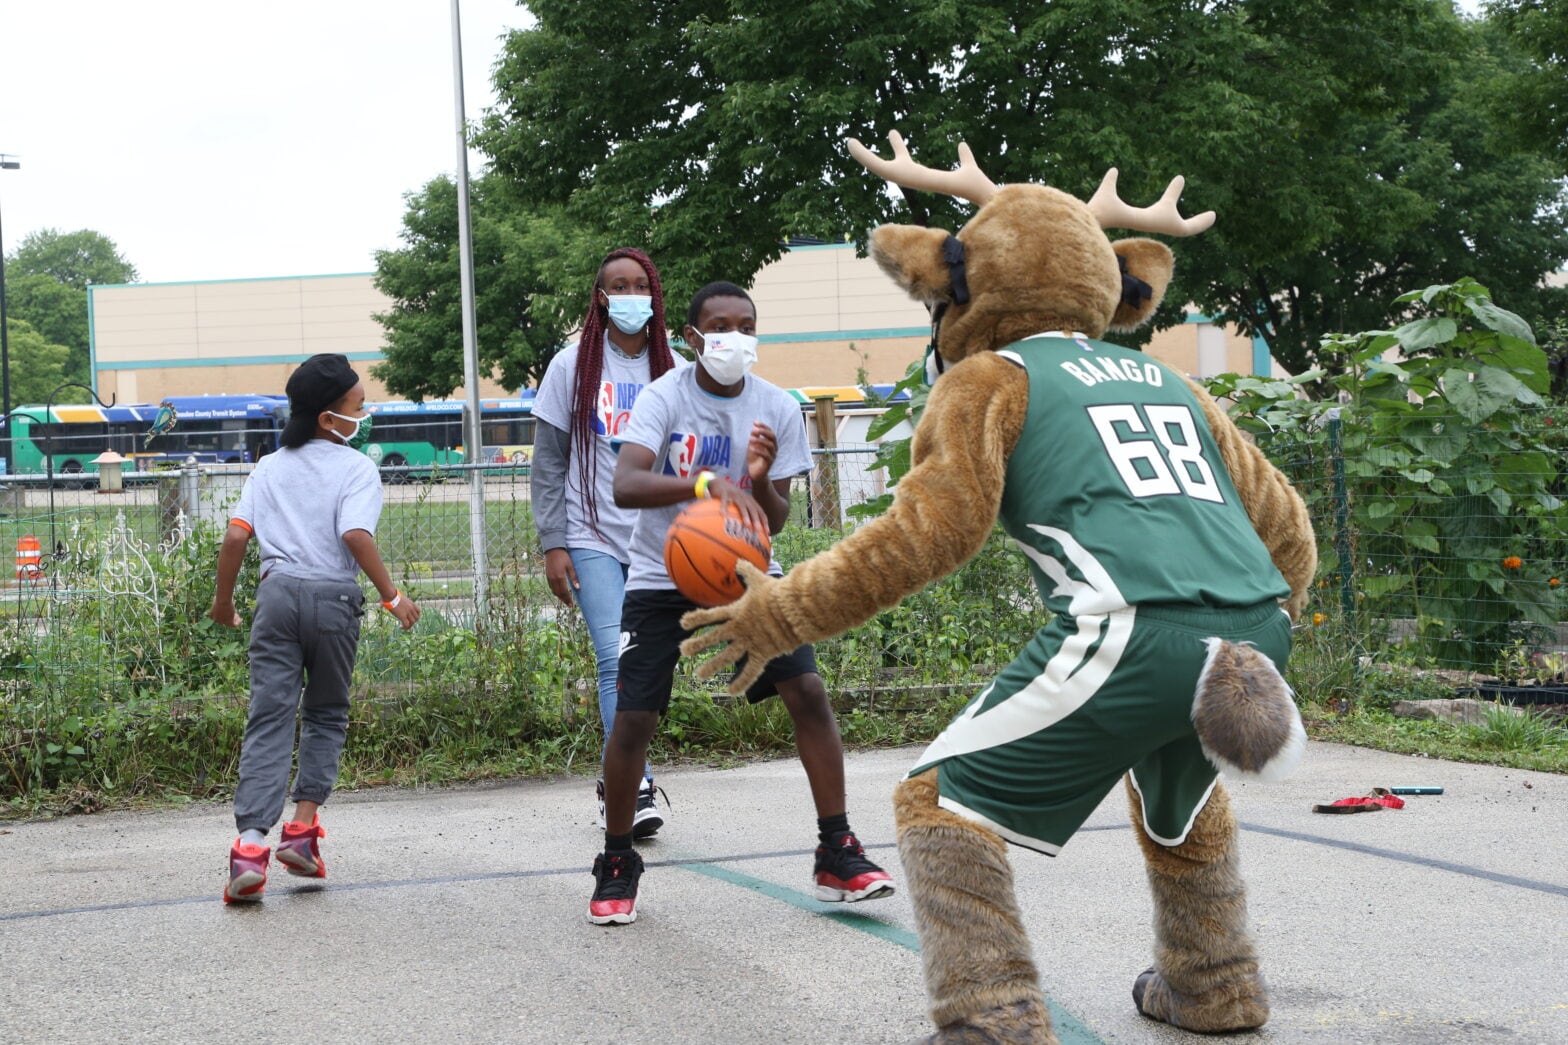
(214, 429)
(430, 435)
(420, 436)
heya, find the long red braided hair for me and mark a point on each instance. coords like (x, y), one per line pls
(590, 368)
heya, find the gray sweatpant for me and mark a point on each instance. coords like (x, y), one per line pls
(304, 636)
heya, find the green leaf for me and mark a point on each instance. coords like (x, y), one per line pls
(1383, 584)
(1523, 360)
(1464, 397)
(1423, 542)
(1425, 333)
(1500, 499)
(1500, 319)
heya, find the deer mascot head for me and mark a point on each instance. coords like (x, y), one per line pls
(1033, 255)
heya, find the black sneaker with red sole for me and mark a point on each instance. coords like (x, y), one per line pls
(844, 875)
(615, 876)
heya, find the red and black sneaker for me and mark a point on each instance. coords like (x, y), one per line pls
(843, 873)
(615, 877)
(247, 872)
(300, 850)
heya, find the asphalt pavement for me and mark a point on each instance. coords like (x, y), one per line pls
(458, 915)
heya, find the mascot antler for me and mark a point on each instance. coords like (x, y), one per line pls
(1109, 210)
(970, 183)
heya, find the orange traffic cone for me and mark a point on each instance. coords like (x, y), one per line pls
(29, 559)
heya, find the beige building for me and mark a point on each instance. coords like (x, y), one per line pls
(823, 314)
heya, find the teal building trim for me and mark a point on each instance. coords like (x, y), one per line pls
(163, 364)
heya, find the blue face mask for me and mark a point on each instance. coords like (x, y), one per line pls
(630, 312)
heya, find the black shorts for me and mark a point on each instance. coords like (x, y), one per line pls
(651, 637)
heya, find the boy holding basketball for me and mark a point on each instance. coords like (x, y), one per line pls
(712, 430)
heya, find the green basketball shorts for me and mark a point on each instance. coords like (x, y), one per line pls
(1090, 698)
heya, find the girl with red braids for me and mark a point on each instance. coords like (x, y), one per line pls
(583, 403)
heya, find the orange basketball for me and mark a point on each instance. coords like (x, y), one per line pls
(703, 547)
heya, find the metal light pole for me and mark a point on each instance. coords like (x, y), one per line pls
(473, 435)
(6, 164)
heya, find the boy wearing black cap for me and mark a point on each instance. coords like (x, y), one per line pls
(313, 508)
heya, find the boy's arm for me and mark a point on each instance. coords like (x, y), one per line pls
(774, 498)
(362, 546)
(231, 556)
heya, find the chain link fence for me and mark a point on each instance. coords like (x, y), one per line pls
(1456, 567)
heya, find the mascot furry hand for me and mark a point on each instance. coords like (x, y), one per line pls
(1167, 548)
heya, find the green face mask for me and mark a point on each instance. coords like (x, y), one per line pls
(361, 433)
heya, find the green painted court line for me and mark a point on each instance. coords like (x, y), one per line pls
(1069, 1029)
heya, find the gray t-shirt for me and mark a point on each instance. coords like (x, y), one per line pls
(690, 430)
(620, 382)
(299, 503)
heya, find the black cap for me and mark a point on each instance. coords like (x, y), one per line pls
(314, 386)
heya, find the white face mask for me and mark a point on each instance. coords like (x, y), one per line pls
(361, 431)
(728, 356)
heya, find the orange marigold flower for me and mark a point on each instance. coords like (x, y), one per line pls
(1554, 582)
(1513, 562)
(1318, 619)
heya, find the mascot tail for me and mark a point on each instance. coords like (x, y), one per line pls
(1245, 714)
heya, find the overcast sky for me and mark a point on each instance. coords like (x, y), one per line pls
(212, 139)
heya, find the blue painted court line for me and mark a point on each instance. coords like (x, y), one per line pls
(1069, 1029)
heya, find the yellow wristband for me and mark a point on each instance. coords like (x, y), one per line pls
(394, 603)
(703, 479)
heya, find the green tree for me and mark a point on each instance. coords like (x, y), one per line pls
(76, 259)
(46, 286)
(37, 367)
(530, 271)
(1334, 137)
(57, 311)
(1535, 103)
(1433, 191)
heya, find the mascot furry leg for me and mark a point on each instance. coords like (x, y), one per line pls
(980, 975)
(1205, 975)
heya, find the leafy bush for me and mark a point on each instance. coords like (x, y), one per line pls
(1433, 478)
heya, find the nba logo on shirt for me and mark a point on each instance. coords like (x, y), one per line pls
(682, 456)
(615, 406)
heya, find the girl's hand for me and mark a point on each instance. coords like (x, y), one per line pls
(761, 450)
(561, 574)
(406, 612)
(750, 511)
(224, 613)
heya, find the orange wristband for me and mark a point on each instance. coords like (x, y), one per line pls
(394, 602)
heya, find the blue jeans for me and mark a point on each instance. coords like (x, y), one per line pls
(603, 580)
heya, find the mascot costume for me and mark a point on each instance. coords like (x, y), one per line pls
(1171, 553)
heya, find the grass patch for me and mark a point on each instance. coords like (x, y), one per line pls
(1545, 750)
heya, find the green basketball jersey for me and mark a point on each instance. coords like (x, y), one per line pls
(1117, 491)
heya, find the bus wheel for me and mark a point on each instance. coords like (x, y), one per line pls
(396, 461)
(70, 476)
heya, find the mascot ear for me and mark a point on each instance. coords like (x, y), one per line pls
(1146, 271)
(912, 256)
